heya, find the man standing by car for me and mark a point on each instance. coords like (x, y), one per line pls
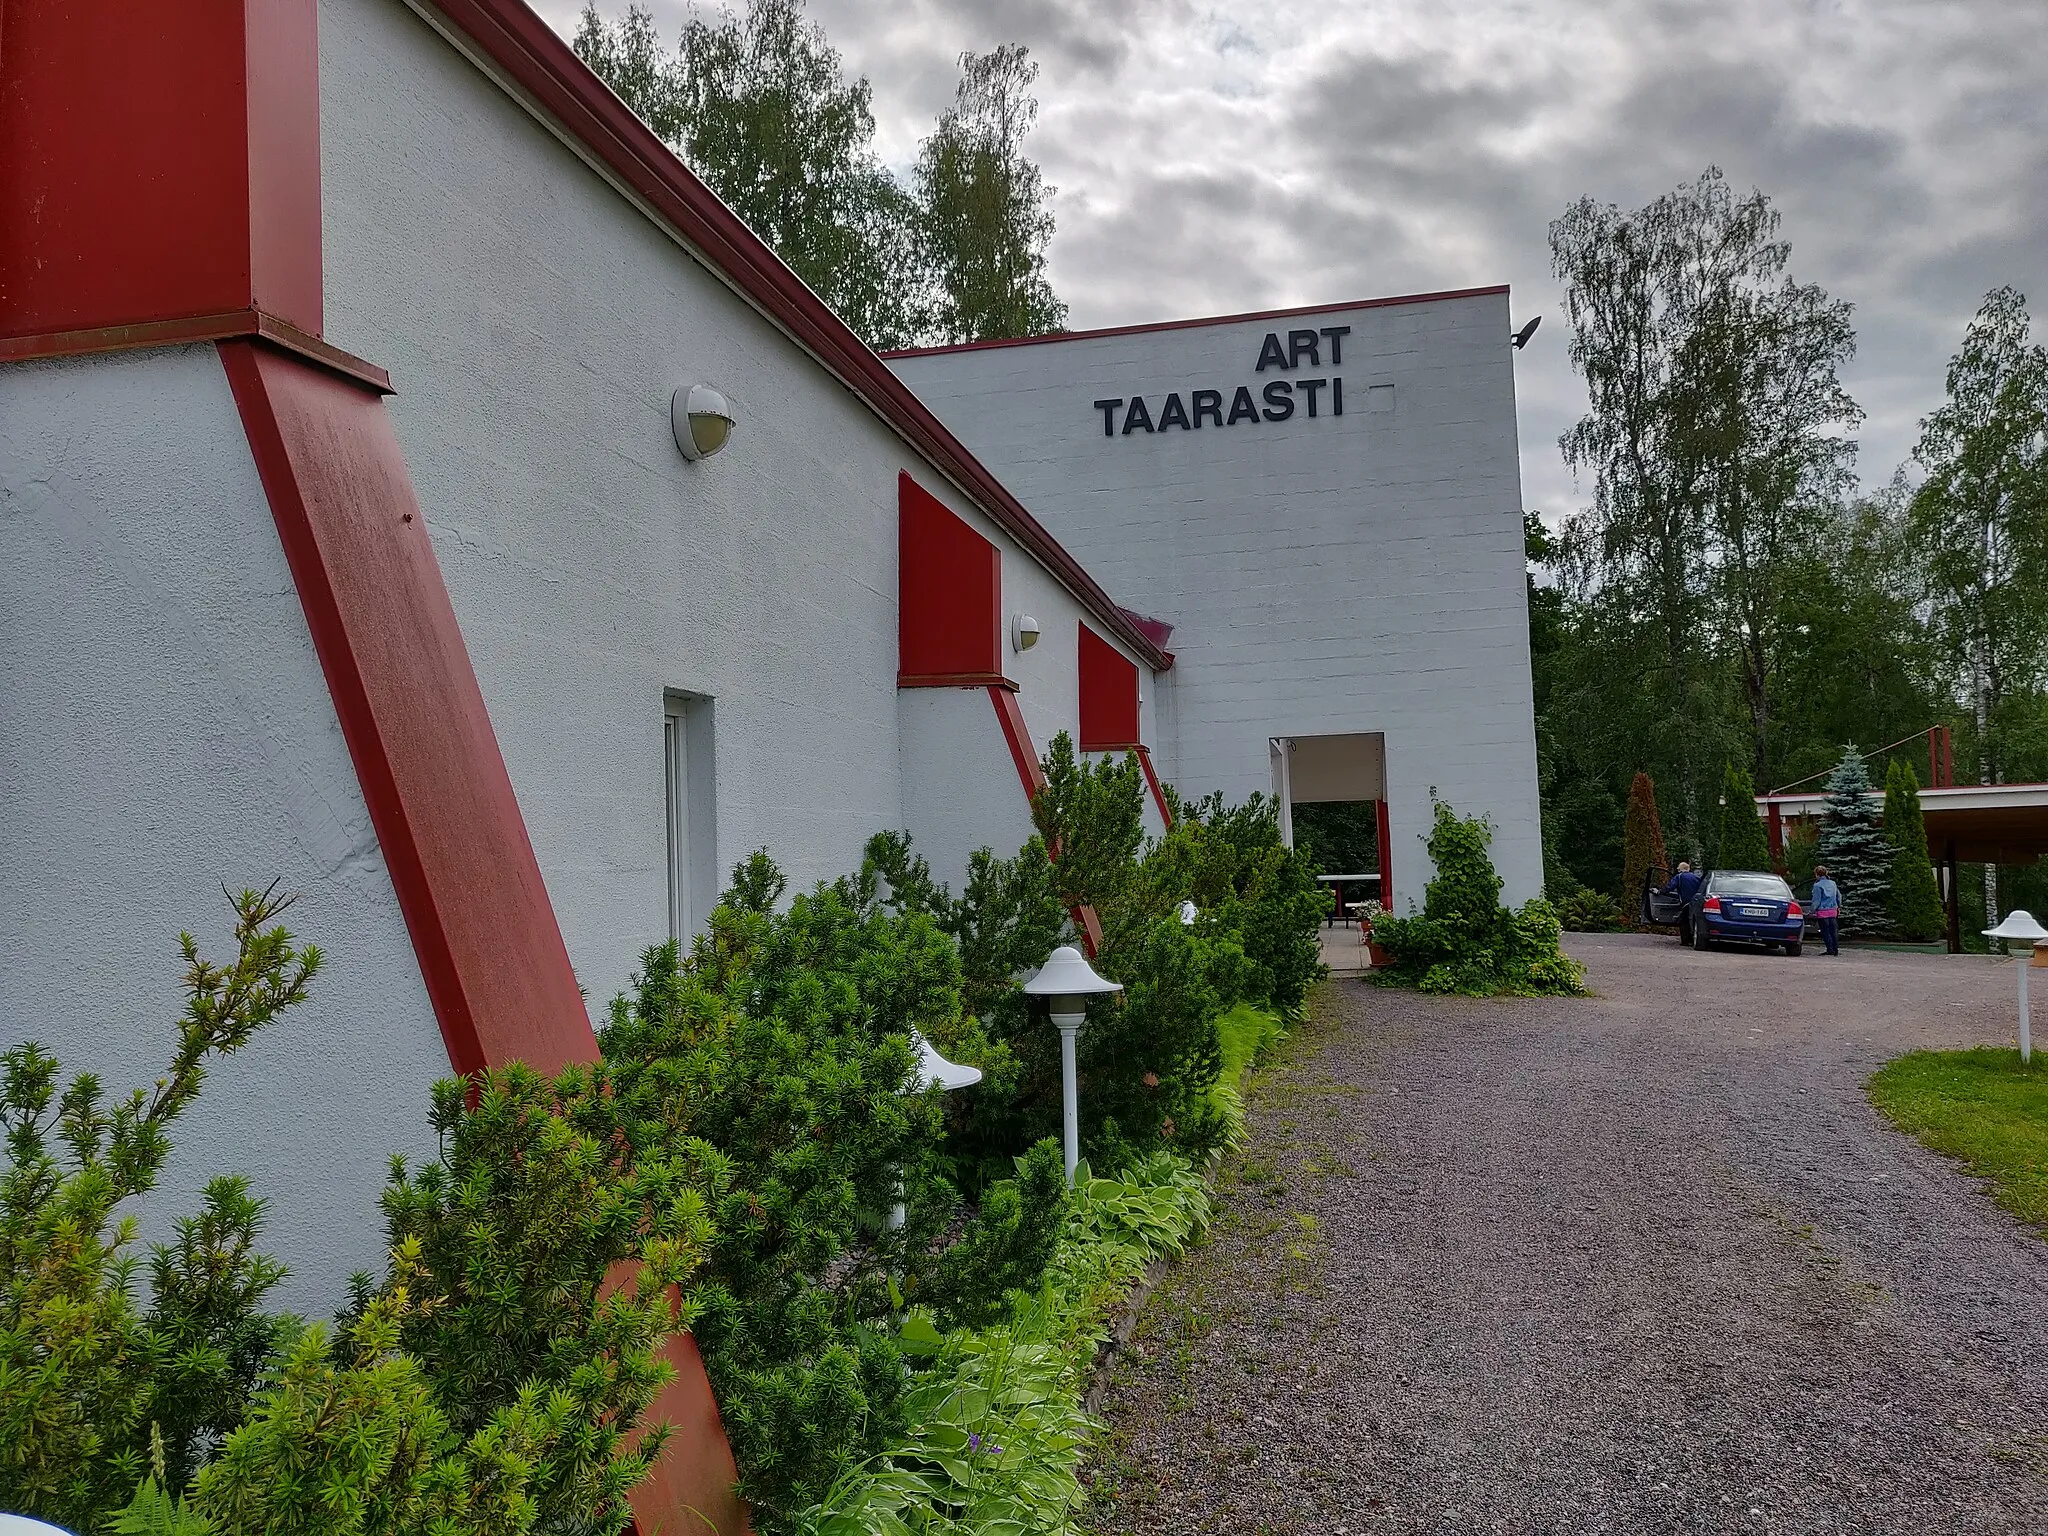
(1684, 885)
(1827, 907)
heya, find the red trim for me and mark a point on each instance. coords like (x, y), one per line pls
(1386, 839)
(536, 60)
(1010, 715)
(158, 162)
(489, 947)
(1185, 325)
(228, 326)
(1152, 780)
(689, 1494)
(957, 680)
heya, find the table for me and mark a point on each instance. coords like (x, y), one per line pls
(1338, 882)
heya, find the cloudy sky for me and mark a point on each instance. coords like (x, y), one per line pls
(1211, 159)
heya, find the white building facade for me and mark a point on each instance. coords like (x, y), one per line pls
(1325, 504)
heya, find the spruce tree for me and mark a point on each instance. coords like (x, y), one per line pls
(1741, 844)
(1642, 843)
(1853, 847)
(1915, 898)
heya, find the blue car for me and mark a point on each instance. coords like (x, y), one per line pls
(1739, 906)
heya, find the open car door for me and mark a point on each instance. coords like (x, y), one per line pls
(1659, 907)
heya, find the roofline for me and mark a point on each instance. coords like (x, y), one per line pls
(1937, 791)
(1185, 325)
(536, 59)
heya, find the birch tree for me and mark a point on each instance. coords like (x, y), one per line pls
(1979, 522)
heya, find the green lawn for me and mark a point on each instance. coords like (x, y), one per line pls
(1982, 1107)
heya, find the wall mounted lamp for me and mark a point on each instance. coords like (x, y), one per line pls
(1023, 632)
(701, 419)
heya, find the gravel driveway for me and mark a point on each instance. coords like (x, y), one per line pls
(1638, 1263)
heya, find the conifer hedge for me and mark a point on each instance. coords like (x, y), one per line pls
(738, 1148)
(1915, 900)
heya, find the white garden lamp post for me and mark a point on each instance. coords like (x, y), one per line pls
(2021, 925)
(1067, 982)
(933, 1071)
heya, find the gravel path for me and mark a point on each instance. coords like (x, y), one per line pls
(1645, 1262)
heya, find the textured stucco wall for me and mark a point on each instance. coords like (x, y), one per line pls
(535, 324)
(1354, 573)
(164, 730)
(960, 786)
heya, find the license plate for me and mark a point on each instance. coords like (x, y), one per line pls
(1756, 911)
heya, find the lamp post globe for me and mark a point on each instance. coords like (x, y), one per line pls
(2019, 926)
(1066, 981)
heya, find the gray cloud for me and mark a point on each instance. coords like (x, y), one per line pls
(1213, 159)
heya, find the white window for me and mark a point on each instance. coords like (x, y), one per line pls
(690, 778)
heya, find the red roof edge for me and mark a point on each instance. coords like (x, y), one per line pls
(1158, 631)
(1185, 325)
(536, 59)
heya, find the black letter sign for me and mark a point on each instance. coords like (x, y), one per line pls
(1309, 387)
(1241, 407)
(1174, 415)
(1209, 403)
(1137, 417)
(1108, 409)
(1271, 354)
(1279, 401)
(1336, 333)
(1299, 342)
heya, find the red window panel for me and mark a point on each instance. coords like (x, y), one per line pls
(1109, 696)
(949, 592)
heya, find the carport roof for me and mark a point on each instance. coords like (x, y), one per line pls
(1972, 823)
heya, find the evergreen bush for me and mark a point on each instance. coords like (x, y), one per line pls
(1915, 899)
(1463, 940)
(1854, 849)
(83, 1374)
(1642, 845)
(1741, 843)
(518, 1405)
(1589, 911)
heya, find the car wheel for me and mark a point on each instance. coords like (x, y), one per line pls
(1792, 951)
(1699, 937)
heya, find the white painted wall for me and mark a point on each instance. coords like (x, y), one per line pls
(960, 786)
(164, 730)
(1354, 573)
(535, 323)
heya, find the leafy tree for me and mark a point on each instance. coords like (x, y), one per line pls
(1715, 445)
(757, 106)
(1643, 856)
(987, 209)
(1915, 903)
(1853, 847)
(756, 103)
(1742, 843)
(1979, 522)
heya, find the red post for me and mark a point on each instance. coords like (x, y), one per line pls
(1386, 839)
(1777, 836)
